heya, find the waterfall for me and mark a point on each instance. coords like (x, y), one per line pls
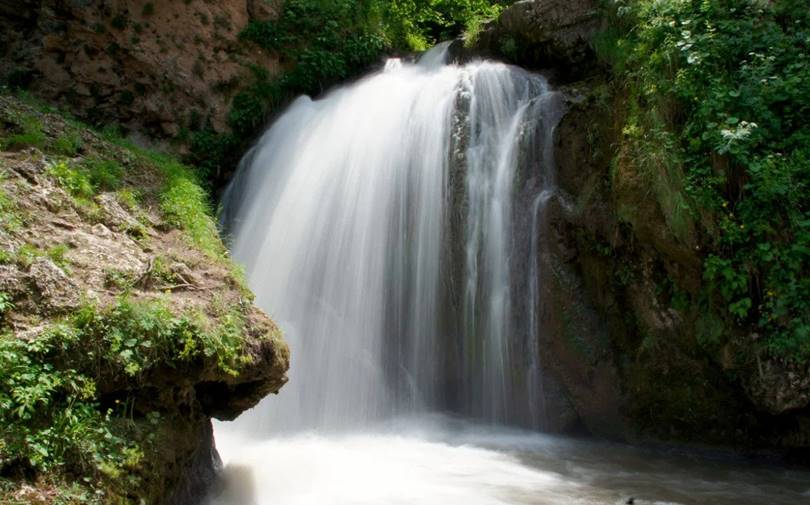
(390, 229)
(398, 230)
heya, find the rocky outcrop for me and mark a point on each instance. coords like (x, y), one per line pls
(622, 328)
(631, 289)
(158, 68)
(544, 34)
(61, 251)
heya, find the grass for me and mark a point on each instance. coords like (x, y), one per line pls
(57, 255)
(68, 144)
(27, 254)
(30, 135)
(183, 202)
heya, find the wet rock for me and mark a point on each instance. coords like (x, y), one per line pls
(201, 468)
(779, 387)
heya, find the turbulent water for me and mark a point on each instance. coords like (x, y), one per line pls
(393, 229)
(437, 461)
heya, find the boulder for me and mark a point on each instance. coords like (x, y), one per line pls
(545, 34)
(57, 292)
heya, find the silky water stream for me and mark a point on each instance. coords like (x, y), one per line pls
(391, 229)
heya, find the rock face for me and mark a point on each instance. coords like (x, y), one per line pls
(159, 68)
(621, 331)
(637, 277)
(544, 34)
(60, 252)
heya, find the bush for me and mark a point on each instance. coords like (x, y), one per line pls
(739, 77)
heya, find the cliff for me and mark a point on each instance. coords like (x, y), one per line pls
(638, 334)
(124, 326)
(162, 69)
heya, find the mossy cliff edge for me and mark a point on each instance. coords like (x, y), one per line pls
(677, 261)
(124, 326)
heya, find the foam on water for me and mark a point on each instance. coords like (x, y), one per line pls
(440, 461)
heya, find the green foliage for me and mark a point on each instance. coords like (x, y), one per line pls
(119, 279)
(213, 153)
(52, 416)
(104, 174)
(129, 198)
(68, 144)
(738, 74)
(76, 182)
(57, 255)
(119, 22)
(136, 337)
(324, 42)
(84, 180)
(6, 304)
(27, 254)
(330, 40)
(30, 134)
(429, 21)
(185, 205)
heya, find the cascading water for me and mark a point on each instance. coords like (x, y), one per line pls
(377, 227)
(393, 229)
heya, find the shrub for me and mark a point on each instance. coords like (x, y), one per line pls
(737, 74)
